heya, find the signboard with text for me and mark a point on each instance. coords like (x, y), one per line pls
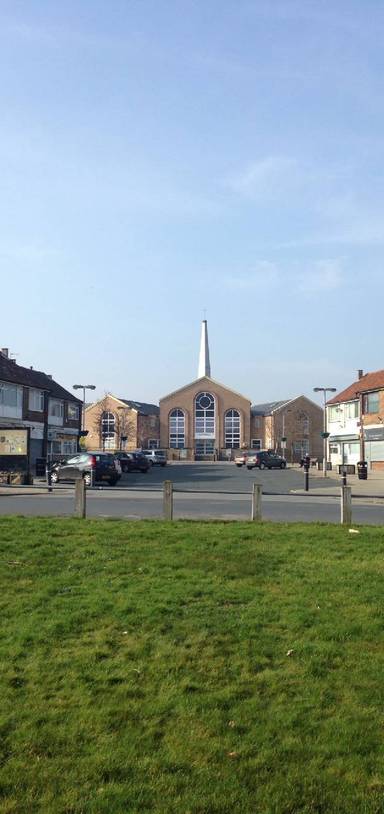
(13, 441)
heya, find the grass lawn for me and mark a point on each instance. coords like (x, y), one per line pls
(201, 668)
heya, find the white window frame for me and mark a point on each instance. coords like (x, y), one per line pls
(72, 406)
(56, 408)
(348, 410)
(232, 427)
(176, 428)
(108, 430)
(334, 413)
(366, 406)
(153, 443)
(11, 400)
(36, 400)
(256, 443)
(205, 417)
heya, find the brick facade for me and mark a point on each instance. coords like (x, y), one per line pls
(129, 422)
(184, 399)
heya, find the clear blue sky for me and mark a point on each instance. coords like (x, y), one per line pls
(159, 157)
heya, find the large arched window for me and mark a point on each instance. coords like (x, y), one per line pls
(108, 430)
(204, 424)
(232, 429)
(176, 429)
(204, 416)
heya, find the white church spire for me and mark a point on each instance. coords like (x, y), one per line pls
(204, 363)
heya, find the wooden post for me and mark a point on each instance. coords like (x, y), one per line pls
(80, 500)
(168, 500)
(256, 502)
(346, 505)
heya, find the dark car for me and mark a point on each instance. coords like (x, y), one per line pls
(94, 467)
(133, 461)
(265, 459)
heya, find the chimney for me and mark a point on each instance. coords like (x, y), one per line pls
(5, 352)
(360, 374)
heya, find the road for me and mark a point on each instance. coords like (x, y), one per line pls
(211, 493)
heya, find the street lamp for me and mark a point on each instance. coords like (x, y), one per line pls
(84, 387)
(325, 434)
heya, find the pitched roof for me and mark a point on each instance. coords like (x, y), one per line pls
(371, 381)
(11, 372)
(201, 379)
(268, 407)
(142, 407)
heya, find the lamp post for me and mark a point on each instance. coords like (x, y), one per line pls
(84, 387)
(324, 391)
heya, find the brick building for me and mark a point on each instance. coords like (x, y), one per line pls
(292, 427)
(355, 420)
(206, 419)
(113, 423)
(32, 399)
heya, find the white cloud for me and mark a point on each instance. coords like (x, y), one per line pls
(266, 178)
(324, 275)
(319, 276)
(263, 275)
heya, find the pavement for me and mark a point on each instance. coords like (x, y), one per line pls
(373, 487)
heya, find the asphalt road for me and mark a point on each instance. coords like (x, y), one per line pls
(212, 492)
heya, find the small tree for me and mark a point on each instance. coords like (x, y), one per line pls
(126, 428)
(122, 424)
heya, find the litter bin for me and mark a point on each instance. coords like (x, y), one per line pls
(362, 470)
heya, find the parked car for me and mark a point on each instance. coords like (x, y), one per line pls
(92, 466)
(242, 457)
(133, 461)
(265, 459)
(156, 456)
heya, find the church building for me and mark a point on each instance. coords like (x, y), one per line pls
(205, 420)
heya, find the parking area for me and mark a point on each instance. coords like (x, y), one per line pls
(222, 477)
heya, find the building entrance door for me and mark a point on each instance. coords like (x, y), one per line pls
(204, 448)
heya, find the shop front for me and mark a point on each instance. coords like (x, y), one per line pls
(374, 447)
(62, 442)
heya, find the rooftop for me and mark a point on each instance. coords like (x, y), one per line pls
(371, 381)
(268, 407)
(12, 372)
(142, 407)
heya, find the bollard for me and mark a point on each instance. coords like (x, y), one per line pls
(344, 478)
(256, 502)
(306, 477)
(48, 475)
(80, 500)
(168, 500)
(346, 505)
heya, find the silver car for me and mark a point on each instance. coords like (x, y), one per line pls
(156, 456)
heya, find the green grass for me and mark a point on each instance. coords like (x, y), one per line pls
(144, 668)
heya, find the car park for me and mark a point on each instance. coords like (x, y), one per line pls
(265, 459)
(156, 456)
(94, 467)
(133, 461)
